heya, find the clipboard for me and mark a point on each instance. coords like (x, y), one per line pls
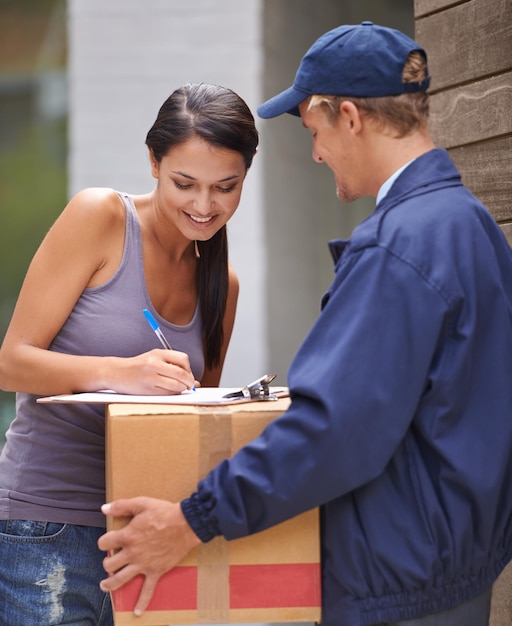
(257, 391)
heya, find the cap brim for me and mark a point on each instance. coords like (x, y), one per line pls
(285, 102)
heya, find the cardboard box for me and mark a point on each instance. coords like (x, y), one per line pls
(162, 451)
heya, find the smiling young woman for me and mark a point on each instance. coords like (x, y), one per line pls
(108, 256)
(215, 131)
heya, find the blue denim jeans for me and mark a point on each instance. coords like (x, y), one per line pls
(474, 612)
(50, 574)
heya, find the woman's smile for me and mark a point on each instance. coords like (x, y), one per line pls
(199, 220)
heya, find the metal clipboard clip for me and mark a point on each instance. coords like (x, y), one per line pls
(257, 390)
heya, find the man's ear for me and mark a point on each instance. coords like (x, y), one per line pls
(155, 166)
(351, 115)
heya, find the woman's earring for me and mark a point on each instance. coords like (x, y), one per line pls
(196, 249)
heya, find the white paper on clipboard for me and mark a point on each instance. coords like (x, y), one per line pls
(201, 396)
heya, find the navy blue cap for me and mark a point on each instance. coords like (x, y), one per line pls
(364, 61)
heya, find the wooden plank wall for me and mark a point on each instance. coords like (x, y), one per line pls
(469, 48)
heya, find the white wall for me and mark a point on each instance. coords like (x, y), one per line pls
(126, 57)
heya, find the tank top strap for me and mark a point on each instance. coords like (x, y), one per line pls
(132, 219)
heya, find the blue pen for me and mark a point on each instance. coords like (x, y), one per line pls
(156, 329)
(158, 332)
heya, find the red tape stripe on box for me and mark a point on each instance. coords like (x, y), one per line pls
(176, 591)
(274, 586)
(251, 586)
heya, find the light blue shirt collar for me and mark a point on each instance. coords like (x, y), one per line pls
(383, 191)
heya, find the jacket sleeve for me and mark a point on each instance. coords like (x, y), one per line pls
(355, 386)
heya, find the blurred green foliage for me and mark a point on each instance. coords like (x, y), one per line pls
(32, 194)
(33, 143)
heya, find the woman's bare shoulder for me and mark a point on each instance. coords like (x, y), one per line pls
(97, 202)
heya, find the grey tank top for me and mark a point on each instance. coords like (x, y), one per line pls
(52, 467)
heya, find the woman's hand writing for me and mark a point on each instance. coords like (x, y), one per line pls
(157, 372)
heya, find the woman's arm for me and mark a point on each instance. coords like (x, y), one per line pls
(82, 249)
(211, 377)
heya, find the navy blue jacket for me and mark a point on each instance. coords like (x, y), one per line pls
(400, 425)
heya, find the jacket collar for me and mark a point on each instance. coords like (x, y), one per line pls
(432, 170)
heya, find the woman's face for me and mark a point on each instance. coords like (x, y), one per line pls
(199, 186)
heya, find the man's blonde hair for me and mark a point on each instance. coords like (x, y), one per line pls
(404, 113)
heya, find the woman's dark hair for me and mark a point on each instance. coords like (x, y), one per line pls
(220, 117)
